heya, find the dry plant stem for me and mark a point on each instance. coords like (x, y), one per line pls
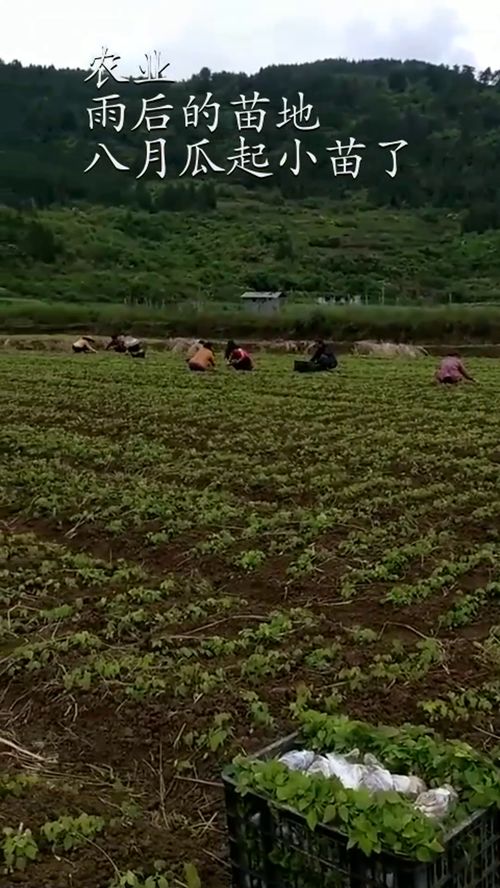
(201, 782)
(218, 859)
(162, 786)
(22, 751)
(404, 626)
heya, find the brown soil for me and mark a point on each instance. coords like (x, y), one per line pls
(114, 751)
(100, 734)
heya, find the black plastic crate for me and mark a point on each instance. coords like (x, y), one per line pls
(273, 847)
(308, 367)
(302, 366)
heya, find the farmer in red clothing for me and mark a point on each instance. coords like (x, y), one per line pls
(452, 370)
(237, 357)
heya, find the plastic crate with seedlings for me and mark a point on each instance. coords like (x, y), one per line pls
(342, 804)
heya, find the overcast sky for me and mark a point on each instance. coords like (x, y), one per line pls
(230, 35)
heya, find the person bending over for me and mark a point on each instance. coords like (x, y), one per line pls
(82, 345)
(117, 343)
(134, 347)
(193, 349)
(127, 345)
(237, 357)
(203, 360)
(324, 357)
(452, 371)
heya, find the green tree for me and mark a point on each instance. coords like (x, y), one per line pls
(481, 217)
(39, 242)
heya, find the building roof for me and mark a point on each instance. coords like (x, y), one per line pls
(262, 295)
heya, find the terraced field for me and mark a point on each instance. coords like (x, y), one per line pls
(186, 562)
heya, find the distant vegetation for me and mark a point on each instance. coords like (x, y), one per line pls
(428, 236)
(449, 116)
(455, 324)
(252, 241)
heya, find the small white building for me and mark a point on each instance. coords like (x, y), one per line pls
(264, 301)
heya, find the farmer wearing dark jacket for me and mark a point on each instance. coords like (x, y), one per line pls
(127, 345)
(324, 357)
(117, 343)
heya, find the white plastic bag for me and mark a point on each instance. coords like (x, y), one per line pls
(411, 787)
(332, 765)
(374, 777)
(380, 779)
(320, 765)
(370, 775)
(353, 757)
(298, 759)
(437, 803)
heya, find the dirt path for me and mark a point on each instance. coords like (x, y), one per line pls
(61, 343)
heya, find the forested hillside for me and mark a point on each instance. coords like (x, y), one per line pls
(308, 248)
(428, 234)
(449, 117)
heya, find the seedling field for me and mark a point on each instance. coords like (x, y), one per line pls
(187, 561)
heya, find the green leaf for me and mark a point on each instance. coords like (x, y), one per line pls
(344, 813)
(191, 876)
(217, 739)
(363, 799)
(301, 804)
(436, 846)
(330, 814)
(392, 798)
(312, 819)
(365, 844)
(424, 854)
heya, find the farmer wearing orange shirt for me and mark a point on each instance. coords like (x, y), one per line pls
(193, 349)
(203, 359)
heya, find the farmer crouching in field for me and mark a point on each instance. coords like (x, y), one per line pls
(117, 343)
(134, 347)
(193, 349)
(324, 357)
(237, 357)
(452, 371)
(203, 359)
(127, 345)
(82, 345)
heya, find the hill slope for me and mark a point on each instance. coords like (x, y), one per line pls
(427, 234)
(122, 255)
